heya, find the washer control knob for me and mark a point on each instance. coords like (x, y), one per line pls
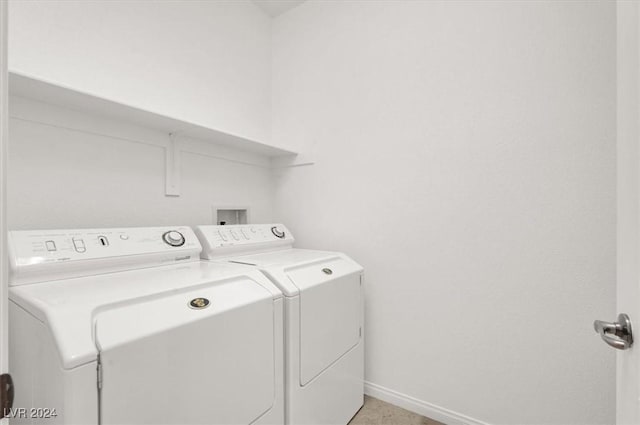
(173, 238)
(277, 233)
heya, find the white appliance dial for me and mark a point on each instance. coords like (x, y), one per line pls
(277, 233)
(173, 238)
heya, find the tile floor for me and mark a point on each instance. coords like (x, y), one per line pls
(377, 412)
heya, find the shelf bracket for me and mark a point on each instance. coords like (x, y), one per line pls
(172, 166)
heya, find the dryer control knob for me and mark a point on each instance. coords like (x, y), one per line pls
(277, 233)
(173, 238)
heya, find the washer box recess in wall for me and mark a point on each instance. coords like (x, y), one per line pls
(230, 215)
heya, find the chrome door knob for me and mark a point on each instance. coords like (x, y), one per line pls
(617, 334)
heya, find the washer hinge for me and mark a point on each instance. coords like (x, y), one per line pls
(99, 370)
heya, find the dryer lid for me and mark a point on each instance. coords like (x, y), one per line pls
(294, 270)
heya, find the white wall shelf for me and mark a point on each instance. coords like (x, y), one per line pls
(36, 89)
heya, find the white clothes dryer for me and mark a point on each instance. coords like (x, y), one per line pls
(115, 326)
(324, 354)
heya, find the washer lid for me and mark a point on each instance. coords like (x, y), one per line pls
(202, 355)
(70, 307)
(127, 321)
(283, 257)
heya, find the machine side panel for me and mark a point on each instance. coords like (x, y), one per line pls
(58, 396)
(275, 415)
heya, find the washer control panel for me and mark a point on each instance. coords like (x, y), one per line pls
(99, 250)
(221, 240)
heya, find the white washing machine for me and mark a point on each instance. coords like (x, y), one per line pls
(128, 326)
(324, 356)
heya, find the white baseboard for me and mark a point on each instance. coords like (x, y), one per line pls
(420, 407)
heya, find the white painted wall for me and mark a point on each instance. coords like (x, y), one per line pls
(465, 155)
(206, 62)
(91, 173)
(70, 169)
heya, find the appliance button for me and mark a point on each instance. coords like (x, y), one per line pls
(277, 233)
(124, 237)
(173, 238)
(51, 246)
(79, 246)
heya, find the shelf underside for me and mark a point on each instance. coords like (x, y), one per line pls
(39, 90)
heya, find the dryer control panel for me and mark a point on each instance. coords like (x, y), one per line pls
(220, 241)
(37, 255)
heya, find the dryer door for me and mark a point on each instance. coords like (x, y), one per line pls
(165, 362)
(330, 313)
